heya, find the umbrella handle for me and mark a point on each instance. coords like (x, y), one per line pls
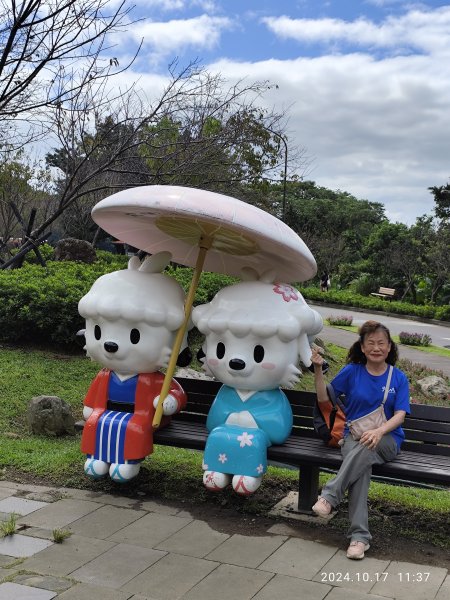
(204, 247)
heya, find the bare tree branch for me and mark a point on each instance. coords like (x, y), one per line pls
(50, 49)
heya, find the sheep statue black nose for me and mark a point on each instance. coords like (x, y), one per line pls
(111, 347)
(237, 364)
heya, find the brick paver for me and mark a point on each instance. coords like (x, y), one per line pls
(137, 549)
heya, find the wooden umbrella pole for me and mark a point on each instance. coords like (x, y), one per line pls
(205, 244)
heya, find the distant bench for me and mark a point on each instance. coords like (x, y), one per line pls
(384, 292)
(425, 455)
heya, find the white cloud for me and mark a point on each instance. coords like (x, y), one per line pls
(382, 3)
(377, 129)
(423, 30)
(169, 37)
(176, 5)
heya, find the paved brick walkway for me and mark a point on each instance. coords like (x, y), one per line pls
(127, 549)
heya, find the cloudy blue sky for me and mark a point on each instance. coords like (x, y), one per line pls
(366, 84)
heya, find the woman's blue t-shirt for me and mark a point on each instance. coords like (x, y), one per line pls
(364, 393)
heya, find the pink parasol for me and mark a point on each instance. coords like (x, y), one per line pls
(205, 230)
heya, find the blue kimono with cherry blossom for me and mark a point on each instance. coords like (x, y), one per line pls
(241, 449)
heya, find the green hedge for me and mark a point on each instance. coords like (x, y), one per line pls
(209, 284)
(347, 298)
(41, 305)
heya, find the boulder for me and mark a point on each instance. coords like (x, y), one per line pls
(434, 386)
(51, 416)
(73, 249)
(192, 374)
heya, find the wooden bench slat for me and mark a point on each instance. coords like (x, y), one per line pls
(421, 425)
(421, 458)
(429, 438)
(430, 413)
(192, 385)
(432, 449)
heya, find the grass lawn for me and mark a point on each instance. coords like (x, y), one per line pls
(170, 473)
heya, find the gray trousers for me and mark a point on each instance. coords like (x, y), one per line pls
(354, 476)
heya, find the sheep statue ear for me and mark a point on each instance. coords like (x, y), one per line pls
(156, 263)
(134, 263)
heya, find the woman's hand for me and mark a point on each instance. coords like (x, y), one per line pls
(371, 438)
(316, 356)
(317, 361)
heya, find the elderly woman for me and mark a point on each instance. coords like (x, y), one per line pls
(372, 385)
(256, 332)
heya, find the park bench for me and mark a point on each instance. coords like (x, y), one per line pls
(384, 292)
(424, 459)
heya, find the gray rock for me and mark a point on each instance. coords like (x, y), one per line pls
(73, 249)
(434, 386)
(192, 374)
(49, 415)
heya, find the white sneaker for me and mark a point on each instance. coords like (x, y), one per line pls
(215, 481)
(95, 468)
(356, 550)
(322, 508)
(124, 472)
(245, 484)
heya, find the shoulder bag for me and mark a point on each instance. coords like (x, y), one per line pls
(374, 419)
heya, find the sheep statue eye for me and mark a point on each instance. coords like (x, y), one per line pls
(258, 353)
(135, 336)
(220, 351)
(97, 332)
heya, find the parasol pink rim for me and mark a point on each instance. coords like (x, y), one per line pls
(174, 218)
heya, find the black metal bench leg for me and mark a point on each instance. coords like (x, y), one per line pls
(308, 488)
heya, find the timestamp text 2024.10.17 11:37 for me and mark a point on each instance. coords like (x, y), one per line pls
(366, 577)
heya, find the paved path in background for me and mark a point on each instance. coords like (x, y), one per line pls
(138, 549)
(438, 333)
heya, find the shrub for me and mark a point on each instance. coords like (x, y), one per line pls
(342, 320)
(46, 252)
(442, 312)
(414, 339)
(41, 305)
(363, 285)
(348, 298)
(209, 284)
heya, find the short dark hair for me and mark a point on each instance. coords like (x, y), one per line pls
(355, 353)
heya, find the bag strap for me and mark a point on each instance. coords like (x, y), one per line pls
(388, 385)
(336, 402)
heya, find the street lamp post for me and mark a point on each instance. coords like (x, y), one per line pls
(284, 175)
(283, 139)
